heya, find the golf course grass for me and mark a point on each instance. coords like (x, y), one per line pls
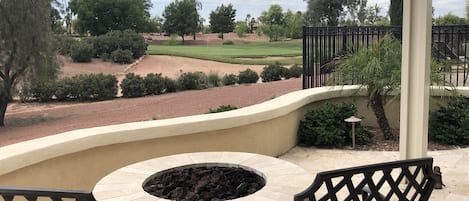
(285, 52)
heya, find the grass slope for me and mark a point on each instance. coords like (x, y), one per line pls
(235, 53)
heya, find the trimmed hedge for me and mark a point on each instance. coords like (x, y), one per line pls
(154, 84)
(91, 87)
(124, 40)
(325, 127)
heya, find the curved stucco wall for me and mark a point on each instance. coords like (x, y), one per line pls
(78, 159)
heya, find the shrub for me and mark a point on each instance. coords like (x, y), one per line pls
(125, 40)
(63, 44)
(274, 72)
(173, 40)
(193, 80)
(97, 87)
(87, 87)
(450, 124)
(67, 89)
(133, 86)
(223, 108)
(230, 79)
(154, 84)
(296, 71)
(228, 42)
(122, 56)
(82, 52)
(42, 90)
(248, 76)
(170, 85)
(214, 80)
(325, 126)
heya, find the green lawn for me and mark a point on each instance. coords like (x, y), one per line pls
(255, 52)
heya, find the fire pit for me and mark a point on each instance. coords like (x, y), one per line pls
(212, 176)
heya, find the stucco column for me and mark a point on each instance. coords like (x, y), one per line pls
(416, 44)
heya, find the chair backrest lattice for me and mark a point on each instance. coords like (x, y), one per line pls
(34, 194)
(406, 180)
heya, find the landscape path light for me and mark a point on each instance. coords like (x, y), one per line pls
(353, 120)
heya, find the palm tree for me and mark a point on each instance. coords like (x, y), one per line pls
(377, 68)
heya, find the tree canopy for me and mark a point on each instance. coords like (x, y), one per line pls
(450, 19)
(395, 12)
(273, 22)
(324, 12)
(101, 16)
(222, 19)
(25, 47)
(182, 17)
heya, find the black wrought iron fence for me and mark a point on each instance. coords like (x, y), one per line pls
(323, 45)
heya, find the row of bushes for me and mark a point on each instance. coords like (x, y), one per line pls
(325, 126)
(91, 87)
(116, 46)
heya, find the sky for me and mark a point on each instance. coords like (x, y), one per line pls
(255, 7)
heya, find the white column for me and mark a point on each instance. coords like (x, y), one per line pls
(416, 47)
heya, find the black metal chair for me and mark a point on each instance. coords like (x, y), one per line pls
(405, 180)
(33, 194)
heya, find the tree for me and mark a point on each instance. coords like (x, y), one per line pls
(182, 17)
(241, 29)
(395, 12)
(273, 22)
(324, 12)
(294, 24)
(24, 53)
(450, 19)
(222, 19)
(378, 69)
(100, 17)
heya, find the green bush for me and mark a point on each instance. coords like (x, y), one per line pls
(67, 89)
(96, 87)
(296, 71)
(171, 85)
(125, 40)
(193, 81)
(154, 84)
(450, 124)
(63, 44)
(82, 52)
(274, 72)
(42, 90)
(230, 79)
(325, 126)
(214, 80)
(223, 108)
(228, 42)
(122, 56)
(248, 76)
(133, 86)
(87, 87)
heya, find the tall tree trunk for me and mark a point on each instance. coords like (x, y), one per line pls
(378, 108)
(3, 109)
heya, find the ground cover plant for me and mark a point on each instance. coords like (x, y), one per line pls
(236, 53)
(223, 108)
